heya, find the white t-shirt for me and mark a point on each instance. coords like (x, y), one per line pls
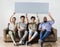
(12, 26)
(22, 25)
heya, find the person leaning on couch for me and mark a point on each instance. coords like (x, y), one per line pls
(21, 27)
(45, 28)
(12, 27)
(22, 30)
(32, 27)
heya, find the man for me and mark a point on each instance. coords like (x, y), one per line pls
(12, 27)
(45, 28)
(22, 30)
(32, 27)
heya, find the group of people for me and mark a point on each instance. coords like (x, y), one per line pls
(44, 28)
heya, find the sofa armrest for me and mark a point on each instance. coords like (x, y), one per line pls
(55, 32)
(5, 33)
(6, 29)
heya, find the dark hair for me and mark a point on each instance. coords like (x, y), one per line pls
(22, 17)
(14, 18)
(33, 17)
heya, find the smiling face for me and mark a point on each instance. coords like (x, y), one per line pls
(45, 19)
(32, 19)
(22, 18)
(13, 19)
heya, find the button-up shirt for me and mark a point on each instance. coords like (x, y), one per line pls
(46, 25)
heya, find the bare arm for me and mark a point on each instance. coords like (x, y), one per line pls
(18, 28)
(12, 17)
(27, 19)
(51, 17)
(38, 21)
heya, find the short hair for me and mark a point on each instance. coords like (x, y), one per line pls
(33, 17)
(14, 18)
(45, 17)
(22, 17)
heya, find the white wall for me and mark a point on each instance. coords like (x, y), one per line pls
(7, 8)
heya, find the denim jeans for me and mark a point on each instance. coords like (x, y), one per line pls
(32, 34)
(44, 35)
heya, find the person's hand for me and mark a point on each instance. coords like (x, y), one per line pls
(18, 29)
(26, 16)
(42, 29)
(37, 16)
(14, 13)
(49, 14)
(12, 17)
(27, 19)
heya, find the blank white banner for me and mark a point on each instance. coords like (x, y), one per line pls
(31, 7)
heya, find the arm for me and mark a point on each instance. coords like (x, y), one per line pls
(18, 28)
(27, 19)
(40, 28)
(38, 21)
(29, 26)
(51, 17)
(12, 17)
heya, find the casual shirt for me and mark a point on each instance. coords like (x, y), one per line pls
(46, 25)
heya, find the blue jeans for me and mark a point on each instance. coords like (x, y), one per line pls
(34, 35)
(44, 35)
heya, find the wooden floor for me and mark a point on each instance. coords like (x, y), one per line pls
(47, 44)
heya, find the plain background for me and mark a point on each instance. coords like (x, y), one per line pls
(7, 8)
(31, 7)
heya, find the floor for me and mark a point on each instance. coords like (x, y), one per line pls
(47, 44)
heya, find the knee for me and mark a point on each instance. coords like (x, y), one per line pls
(10, 32)
(36, 33)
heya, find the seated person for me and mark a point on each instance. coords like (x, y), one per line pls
(22, 30)
(45, 28)
(12, 27)
(32, 27)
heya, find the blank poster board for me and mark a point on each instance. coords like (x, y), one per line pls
(31, 7)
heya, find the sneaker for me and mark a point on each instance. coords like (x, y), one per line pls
(28, 43)
(15, 44)
(21, 43)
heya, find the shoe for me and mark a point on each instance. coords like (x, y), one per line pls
(40, 41)
(28, 43)
(41, 44)
(15, 44)
(21, 43)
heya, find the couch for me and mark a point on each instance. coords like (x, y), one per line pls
(51, 38)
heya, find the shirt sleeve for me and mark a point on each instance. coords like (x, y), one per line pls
(40, 26)
(29, 26)
(51, 22)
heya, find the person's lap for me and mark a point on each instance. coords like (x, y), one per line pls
(44, 34)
